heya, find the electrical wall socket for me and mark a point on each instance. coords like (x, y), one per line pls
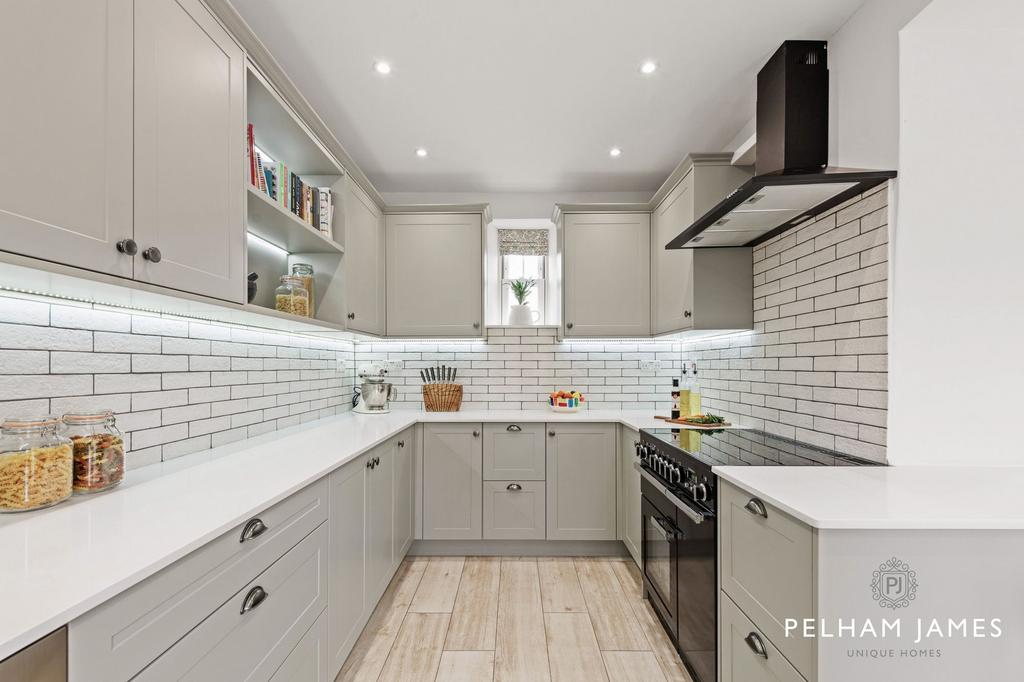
(650, 365)
(392, 365)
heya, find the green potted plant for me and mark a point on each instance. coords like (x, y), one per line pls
(521, 315)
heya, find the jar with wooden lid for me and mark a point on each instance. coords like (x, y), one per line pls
(305, 271)
(35, 464)
(291, 296)
(97, 449)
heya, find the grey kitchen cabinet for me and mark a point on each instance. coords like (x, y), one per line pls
(66, 132)
(581, 475)
(452, 480)
(767, 568)
(606, 274)
(308, 660)
(514, 510)
(628, 506)
(698, 288)
(434, 274)
(346, 583)
(380, 519)
(514, 451)
(189, 137)
(251, 635)
(364, 261)
(405, 493)
(107, 643)
(746, 654)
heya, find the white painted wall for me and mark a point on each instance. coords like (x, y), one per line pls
(863, 59)
(958, 304)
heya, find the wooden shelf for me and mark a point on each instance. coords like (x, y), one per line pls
(282, 228)
(280, 133)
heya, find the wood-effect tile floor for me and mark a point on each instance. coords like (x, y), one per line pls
(500, 618)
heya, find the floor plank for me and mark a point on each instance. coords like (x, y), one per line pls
(439, 586)
(573, 653)
(661, 645)
(466, 666)
(475, 615)
(610, 610)
(417, 649)
(632, 666)
(629, 578)
(559, 587)
(521, 652)
(371, 650)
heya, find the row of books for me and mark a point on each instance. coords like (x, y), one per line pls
(314, 205)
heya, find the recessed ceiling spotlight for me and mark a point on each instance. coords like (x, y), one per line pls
(615, 152)
(421, 152)
(383, 68)
(648, 67)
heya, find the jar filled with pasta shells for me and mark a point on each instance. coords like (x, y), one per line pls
(35, 464)
(97, 449)
(292, 297)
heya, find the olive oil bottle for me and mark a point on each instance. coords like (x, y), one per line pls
(694, 391)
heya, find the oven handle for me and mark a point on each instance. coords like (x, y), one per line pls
(671, 532)
(691, 513)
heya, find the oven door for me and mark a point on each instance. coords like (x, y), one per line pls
(660, 538)
(697, 593)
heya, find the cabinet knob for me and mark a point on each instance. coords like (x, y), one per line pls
(401, 443)
(254, 598)
(376, 461)
(687, 313)
(253, 529)
(152, 254)
(756, 507)
(569, 325)
(476, 434)
(551, 433)
(351, 316)
(514, 428)
(128, 247)
(756, 645)
(514, 487)
(476, 325)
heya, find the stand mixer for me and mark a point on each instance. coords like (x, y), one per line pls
(374, 394)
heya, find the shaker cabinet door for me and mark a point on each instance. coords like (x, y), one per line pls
(672, 270)
(380, 514)
(452, 482)
(364, 261)
(346, 560)
(607, 282)
(581, 482)
(189, 151)
(66, 132)
(405, 494)
(435, 275)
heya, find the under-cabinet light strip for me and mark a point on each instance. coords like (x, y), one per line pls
(264, 242)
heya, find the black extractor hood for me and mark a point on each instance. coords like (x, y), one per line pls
(793, 182)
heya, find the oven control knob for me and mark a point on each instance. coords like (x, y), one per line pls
(700, 492)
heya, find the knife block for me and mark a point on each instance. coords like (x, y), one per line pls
(442, 397)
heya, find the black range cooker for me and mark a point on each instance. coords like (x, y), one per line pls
(678, 507)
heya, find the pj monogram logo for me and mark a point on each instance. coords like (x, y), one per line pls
(894, 585)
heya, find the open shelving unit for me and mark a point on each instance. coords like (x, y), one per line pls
(277, 237)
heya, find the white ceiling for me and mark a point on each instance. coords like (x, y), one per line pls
(529, 95)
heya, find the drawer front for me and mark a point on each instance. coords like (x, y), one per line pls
(767, 567)
(514, 510)
(120, 637)
(514, 451)
(756, 660)
(239, 644)
(308, 660)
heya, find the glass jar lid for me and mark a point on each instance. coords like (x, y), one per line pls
(302, 269)
(84, 418)
(29, 424)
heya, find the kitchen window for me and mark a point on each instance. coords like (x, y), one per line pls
(523, 255)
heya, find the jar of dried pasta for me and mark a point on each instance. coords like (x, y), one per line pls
(35, 464)
(291, 296)
(98, 450)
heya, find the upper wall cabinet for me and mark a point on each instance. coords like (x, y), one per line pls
(66, 132)
(364, 263)
(435, 274)
(606, 283)
(189, 143)
(699, 183)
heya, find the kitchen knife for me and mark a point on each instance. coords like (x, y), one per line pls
(423, 375)
(433, 379)
(444, 373)
(455, 370)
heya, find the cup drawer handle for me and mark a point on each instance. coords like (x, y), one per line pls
(756, 507)
(514, 428)
(756, 645)
(514, 487)
(253, 529)
(254, 598)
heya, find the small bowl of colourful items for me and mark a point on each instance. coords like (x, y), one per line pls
(565, 401)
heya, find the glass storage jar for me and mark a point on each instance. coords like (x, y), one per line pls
(305, 271)
(291, 296)
(98, 451)
(35, 464)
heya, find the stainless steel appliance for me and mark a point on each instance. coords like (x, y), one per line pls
(678, 508)
(374, 394)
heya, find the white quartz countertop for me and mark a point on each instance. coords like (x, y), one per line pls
(56, 564)
(890, 498)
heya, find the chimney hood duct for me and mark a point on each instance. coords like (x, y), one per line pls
(793, 184)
